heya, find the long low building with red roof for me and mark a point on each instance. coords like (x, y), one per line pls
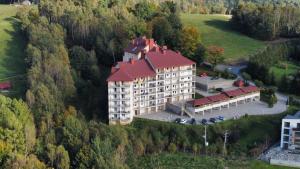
(148, 77)
(224, 99)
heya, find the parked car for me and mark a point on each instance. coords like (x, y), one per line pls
(177, 120)
(221, 118)
(213, 120)
(183, 121)
(204, 121)
(219, 89)
(193, 121)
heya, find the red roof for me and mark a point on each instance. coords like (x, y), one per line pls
(5, 85)
(250, 89)
(164, 58)
(128, 71)
(239, 83)
(137, 45)
(234, 93)
(201, 102)
(218, 97)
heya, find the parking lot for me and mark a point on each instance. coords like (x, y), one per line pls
(253, 108)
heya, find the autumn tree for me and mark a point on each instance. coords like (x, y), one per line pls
(189, 41)
(214, 55)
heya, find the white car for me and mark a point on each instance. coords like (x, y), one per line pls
(183, 121)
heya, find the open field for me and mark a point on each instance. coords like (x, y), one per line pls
(216, 30)
(285, 68)
(182, 161)
(12, 45)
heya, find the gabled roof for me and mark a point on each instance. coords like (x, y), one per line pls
(164, 58)
(234, 93)
(138, 45)
(218, 97)
(201, 101)
(250, 89)
(128, 71)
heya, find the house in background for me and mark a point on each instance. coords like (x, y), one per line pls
(290, 132)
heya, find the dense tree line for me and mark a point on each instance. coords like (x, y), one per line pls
(267, 22)
(259, 66)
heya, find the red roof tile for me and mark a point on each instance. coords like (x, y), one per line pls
(128, 71)
(167, 58)
(201, 102)
(250, 89)
(218, 97)
(234, 93)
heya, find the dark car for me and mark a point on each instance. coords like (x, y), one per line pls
(213, 120)
(177, 120)
(221, 118)
(204, 121)
(193, 121)
(219, 89)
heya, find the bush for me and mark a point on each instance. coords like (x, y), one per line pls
(172, 148)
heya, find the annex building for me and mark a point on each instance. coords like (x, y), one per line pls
(290, 132)
(223, 100)
(148, 77)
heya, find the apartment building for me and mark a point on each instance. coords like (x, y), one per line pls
(290, 132)
(148, 78)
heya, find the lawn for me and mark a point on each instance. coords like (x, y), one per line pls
(182, 161)
(12, 45)
(285, 68)
(216, 30)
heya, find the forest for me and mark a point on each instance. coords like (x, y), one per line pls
(71, 45)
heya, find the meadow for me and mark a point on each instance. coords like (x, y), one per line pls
(285, 68)
(12, 51)
(217, 30)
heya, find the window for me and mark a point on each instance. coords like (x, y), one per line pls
(115, 89)
(115, 96)
(298, 125)
(286, 131)
(286, 124)
(286, 138)
(123, 89)
(123, 96)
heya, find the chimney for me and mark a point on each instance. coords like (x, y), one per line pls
(164, 48)
(132, 61)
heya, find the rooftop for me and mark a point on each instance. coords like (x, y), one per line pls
(295, 116)
(128, 71)
(138, 45)
(165, 58)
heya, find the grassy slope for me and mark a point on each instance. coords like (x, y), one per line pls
(216, 30)
(12, 45)
(182, 161)
(292, 68)
(253, 130)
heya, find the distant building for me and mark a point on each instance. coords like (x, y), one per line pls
(5, 85)
(148, 77)
(290, 132)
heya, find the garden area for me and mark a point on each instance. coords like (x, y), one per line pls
(285, 68)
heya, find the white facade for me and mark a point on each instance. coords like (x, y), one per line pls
(290, 132)
(150, 94)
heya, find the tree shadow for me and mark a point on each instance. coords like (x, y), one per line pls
(219, 24)
(13, 61)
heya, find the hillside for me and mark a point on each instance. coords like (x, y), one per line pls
(12, 65)
(216, 30)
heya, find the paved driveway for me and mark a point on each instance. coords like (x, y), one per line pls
(253, 108)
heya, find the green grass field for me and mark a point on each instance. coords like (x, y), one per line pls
(285, 68)
(216, 30)
(12, 45)
(182, 161)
